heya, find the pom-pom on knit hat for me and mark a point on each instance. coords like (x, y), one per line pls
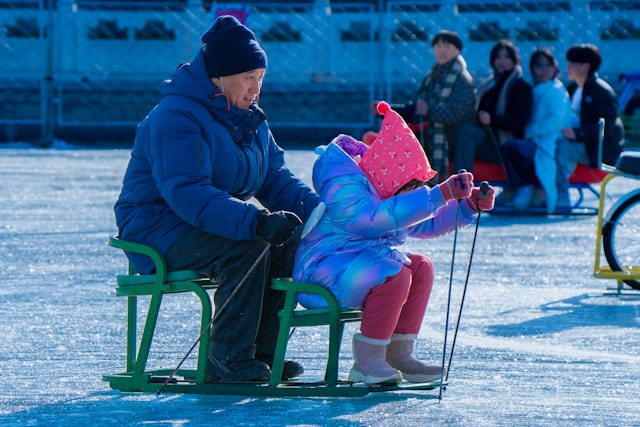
(395, 156)
(231, 48)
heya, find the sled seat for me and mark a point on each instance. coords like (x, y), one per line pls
(582, 178)
(156, 285)
(292, 316)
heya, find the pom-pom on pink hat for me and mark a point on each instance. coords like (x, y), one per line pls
(395, 156)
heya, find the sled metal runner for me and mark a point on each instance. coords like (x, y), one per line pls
(185, 383)
(137, 378)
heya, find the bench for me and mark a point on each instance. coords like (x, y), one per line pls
(583, 178)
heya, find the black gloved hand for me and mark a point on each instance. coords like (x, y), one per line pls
(277, 227)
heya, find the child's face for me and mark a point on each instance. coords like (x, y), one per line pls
(411, 185)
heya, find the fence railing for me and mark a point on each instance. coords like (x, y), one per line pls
(80, 69)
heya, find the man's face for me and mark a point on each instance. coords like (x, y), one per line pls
(444, 52)
(241, 89)
(578, 70)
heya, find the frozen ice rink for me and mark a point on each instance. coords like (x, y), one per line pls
(541, 341)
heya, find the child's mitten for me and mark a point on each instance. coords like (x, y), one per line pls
(481, 199)
(457, 186)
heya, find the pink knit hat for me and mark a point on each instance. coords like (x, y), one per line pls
(396, 156)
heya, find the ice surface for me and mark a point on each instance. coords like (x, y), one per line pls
(541, 341)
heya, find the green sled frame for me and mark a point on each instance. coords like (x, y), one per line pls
(137, 378)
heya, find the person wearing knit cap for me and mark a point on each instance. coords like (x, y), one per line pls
(445, 99)
(592, 98)
(372, 199)
(198, 159)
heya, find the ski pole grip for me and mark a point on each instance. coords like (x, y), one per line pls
(484, 189)
(461, 171)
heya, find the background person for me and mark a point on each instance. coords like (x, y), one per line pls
(445, 99)
(591, 99)
(536, 152)
(504, 109)
(198, 158)
(372, 200)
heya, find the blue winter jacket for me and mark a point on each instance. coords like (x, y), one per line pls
(198, 160)
(349, 243)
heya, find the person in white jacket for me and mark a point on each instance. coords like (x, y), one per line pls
(534, 157)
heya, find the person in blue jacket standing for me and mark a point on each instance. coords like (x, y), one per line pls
(199, 158)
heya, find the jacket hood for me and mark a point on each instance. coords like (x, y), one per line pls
(332, 162)
(191, 80)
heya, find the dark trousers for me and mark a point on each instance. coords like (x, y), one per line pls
(518, 159)
(474, 142)
(249, 322)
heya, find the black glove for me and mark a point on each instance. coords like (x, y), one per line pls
(277, 227)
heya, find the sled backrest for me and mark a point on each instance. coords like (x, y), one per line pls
(155, 285)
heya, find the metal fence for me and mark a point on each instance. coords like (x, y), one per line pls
(85, 70)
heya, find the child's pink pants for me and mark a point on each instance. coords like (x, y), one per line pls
(398, 305)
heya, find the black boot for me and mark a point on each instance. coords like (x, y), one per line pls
(250, 370)
(290, 369)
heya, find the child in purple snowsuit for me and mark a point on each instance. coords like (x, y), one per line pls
(372, 199)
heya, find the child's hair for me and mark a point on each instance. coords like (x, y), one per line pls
(411, 185)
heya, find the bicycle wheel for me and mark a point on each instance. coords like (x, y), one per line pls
(621, 237)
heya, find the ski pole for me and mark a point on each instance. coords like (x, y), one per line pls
(218, 311)
(446, 322)
(492, 138)
(484, 190)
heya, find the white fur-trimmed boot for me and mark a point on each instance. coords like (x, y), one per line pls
(369, 365)
(400, 356)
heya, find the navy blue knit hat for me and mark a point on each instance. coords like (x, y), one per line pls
(231, 48)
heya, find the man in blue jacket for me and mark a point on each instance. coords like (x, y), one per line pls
(198, 159)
